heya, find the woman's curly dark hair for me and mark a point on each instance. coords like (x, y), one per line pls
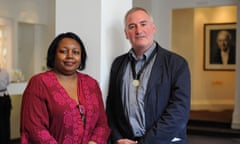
(53, 46)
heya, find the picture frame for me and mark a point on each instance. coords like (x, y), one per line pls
(220, 46)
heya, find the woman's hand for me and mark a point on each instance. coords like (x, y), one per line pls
(92, 142)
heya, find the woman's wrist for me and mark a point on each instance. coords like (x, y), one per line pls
(92, 142)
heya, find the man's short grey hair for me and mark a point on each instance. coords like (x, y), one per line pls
(134, 9)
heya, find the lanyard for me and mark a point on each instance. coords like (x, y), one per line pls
(136, 76)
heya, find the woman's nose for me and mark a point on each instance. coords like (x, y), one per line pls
(69, 54)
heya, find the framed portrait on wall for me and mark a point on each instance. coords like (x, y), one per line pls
(219, 46)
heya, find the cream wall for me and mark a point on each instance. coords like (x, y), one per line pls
(211, 90)
(183, 34)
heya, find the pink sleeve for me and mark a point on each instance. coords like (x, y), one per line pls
(34, 115)
(101, 131)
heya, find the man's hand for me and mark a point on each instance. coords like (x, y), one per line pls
(126, 141)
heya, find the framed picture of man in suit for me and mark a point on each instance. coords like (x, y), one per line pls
(219, 46)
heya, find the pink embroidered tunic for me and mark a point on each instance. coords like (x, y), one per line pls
(50, 116)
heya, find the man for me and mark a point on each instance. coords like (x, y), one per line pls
(225, 53)
(5, 107)
(149, 91)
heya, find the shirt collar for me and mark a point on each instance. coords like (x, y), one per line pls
(146, 55)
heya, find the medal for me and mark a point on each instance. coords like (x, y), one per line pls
(135, 75)
(136, 83)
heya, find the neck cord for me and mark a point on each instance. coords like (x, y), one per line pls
(136, 76)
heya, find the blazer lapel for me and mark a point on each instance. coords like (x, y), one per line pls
(156, 75)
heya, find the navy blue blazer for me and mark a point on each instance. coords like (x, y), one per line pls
(166, 103)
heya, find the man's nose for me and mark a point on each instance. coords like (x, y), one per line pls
(138, 30)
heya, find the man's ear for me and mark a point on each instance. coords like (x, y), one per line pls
(126, 35)
(154, 28)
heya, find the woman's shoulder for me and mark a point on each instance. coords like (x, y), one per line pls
(86, 77)
(87, 80)
(42, 75)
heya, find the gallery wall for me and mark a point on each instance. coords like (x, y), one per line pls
(211, 89)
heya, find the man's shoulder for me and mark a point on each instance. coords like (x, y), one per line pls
(169, 54)
(120, 58)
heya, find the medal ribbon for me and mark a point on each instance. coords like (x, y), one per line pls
(136, 76)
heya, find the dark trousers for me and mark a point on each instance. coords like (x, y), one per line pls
(5, 110)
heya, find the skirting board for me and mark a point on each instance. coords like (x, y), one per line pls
(212, 105)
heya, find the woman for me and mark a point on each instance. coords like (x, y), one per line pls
(63, 105)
